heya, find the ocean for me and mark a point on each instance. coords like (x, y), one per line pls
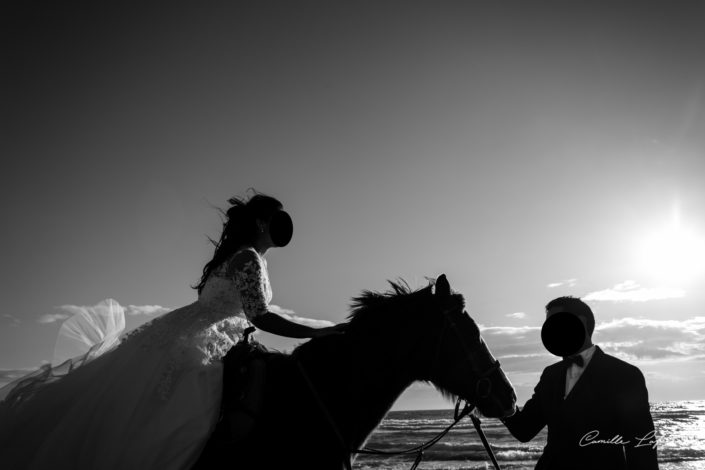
(680, 430)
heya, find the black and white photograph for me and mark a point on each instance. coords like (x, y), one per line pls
(352, 235)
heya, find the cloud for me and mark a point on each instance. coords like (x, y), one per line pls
(290, 315)
(519, 348)
(630, 291)
(101, 309)
(146, 310)
(652, 375)
(644, 339)
(517, 315)
(68, 311)
(280, 310)
(565, 282)
(660, 348)
(520, 331)
(53, 317)
(13, 320)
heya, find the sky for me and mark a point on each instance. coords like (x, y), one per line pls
(527, 150)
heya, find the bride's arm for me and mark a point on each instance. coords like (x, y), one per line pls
(247, 271)
(278, 325)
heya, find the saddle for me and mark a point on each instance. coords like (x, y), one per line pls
(244, 376)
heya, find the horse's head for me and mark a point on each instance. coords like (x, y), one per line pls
(427, 335)
(457, 361)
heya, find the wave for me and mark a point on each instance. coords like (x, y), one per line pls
(470, 451)
(686, 405)
(680, 455)
(681, 444)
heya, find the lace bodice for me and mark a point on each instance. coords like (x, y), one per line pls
(240, 285)
(204, 331)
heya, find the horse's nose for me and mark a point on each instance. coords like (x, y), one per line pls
(510, 411)
(506, 412)
(514, 405)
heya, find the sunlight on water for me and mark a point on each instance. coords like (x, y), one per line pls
(680, 428)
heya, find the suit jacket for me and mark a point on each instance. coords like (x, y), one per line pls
(604, 423)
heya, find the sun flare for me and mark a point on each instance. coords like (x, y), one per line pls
(673, 255)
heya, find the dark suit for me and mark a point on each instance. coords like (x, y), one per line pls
(610, 397)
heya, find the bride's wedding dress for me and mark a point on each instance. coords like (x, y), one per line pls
(148, 399)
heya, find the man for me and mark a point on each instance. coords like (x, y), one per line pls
(596, 406)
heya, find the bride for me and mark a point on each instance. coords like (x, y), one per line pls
(150, 398)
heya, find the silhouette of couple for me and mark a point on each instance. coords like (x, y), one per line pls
(151, 398)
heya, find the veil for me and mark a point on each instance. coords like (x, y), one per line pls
(89, 333)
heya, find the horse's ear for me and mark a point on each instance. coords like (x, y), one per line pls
(442, 286)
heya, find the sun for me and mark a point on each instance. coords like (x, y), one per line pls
(673, 255)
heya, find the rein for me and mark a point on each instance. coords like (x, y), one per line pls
(418, 450)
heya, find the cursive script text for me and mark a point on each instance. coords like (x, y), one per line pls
(650, 439)
(591, 438)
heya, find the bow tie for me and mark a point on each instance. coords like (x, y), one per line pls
(578, 360)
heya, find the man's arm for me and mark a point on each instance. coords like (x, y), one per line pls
(637, 424)
(526, 424)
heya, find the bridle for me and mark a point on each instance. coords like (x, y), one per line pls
(459, 414)
(483, 385)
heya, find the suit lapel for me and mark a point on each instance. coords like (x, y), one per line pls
(557, 382)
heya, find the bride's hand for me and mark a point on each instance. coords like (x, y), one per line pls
(338, 329)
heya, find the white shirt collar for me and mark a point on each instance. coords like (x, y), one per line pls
(587, 354)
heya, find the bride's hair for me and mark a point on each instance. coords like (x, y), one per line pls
(239, 228)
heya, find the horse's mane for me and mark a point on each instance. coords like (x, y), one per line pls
(365, 306)
(366, 309)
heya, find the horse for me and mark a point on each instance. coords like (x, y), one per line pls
(322, 401)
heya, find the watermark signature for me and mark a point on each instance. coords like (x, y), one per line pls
(591, 438)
